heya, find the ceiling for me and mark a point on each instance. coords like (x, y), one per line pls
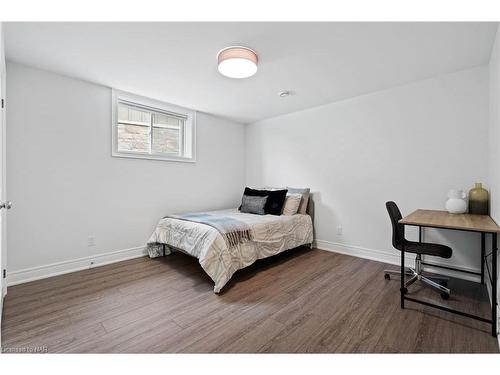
(319, 62)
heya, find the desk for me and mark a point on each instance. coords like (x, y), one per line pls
(483, 224)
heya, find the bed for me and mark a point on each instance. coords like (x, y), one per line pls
(271, 235)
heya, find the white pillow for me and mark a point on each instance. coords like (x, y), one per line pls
(292, 203)
(305, 197)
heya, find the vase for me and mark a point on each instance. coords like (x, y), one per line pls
(456, 203)
(478, 200)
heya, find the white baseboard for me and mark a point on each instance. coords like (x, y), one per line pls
(391, 257)
(54, 269)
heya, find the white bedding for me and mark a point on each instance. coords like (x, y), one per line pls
(271, 235)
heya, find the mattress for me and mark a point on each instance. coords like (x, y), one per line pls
(271, 235)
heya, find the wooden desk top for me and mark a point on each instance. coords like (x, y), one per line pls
(443, 219)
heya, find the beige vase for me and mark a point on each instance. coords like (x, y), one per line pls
(478, 200)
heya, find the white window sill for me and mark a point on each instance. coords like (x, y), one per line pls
(132, 155)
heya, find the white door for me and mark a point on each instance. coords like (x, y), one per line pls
(3, 206)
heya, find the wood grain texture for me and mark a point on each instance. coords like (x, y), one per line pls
(443, 219)
(300, 301)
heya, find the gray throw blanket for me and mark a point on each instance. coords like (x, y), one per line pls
(233, 231)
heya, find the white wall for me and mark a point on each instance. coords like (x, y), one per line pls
(65, 185)
(410, 144)
(494, 132)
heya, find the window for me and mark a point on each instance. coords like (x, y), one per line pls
(148, 129)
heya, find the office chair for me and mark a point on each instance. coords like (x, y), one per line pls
(420, 248)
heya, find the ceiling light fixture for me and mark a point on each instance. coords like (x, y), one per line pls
(237, 62)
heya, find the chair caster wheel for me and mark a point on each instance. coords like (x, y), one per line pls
(387, 276)
(445, 295)
(404, 290)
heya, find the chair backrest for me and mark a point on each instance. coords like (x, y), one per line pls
(398, 230)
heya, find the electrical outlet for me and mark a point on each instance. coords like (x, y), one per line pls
(91, 240)
(339, 230)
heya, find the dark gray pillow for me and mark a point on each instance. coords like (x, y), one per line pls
(253, 205)
(275, 199)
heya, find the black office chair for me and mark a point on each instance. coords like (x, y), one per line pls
(420, 248)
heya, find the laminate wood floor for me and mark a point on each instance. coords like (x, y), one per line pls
(300, 301)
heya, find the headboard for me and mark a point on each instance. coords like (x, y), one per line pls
(310, 206)
(310, 209)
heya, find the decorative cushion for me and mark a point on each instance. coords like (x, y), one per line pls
(292, 203)
(253, 204)
(275, 199)
(305, 192)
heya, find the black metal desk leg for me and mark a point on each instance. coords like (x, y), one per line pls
(419, 234)
(403, 273)
(482, 256)
(494, 296)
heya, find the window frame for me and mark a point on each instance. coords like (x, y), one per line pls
(160, 107)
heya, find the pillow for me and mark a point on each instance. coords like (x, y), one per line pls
(305, 192)
(275, 199)
(292, 203)
(253, 205)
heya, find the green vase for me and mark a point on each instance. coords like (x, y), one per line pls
(478, 200)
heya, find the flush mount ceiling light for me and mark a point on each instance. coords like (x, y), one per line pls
(237, 62)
